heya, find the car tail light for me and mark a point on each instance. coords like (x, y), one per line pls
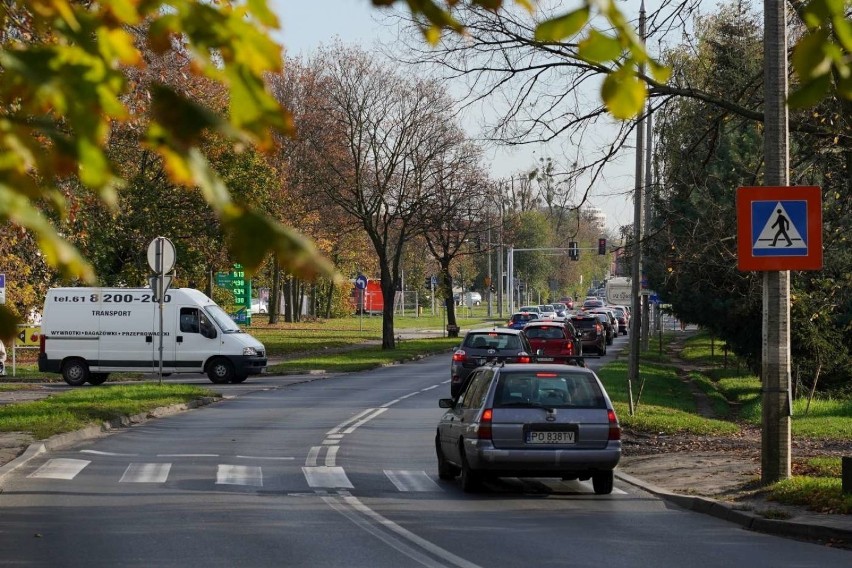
(570, 348)
(523, 357)
(483, 432)
(614, 428)
(598, 328)
(459, 356)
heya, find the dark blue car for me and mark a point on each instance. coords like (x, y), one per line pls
(520, 319)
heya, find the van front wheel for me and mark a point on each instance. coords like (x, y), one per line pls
(220, 371)
(75, 372)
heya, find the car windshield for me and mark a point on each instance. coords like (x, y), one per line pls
(548, 389)
(492, 340)
(545, 332)
(223, 320)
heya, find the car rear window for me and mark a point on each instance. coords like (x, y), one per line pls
(524, 317)
(585, 323)
(552, 389)
(492, 341)
(548, 332)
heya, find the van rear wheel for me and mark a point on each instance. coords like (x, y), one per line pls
(75, 372)
(220, 371)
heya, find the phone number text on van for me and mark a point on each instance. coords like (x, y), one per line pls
(112, 298)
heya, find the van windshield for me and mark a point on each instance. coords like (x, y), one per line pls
(223, 320)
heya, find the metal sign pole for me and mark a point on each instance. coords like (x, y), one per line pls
(160, 298)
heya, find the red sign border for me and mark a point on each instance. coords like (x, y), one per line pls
(746, 261)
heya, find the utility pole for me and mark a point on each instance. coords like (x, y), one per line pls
(636, 264)
(775, 366)
(490, 275)
(648, 205)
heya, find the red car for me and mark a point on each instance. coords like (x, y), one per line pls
(555, 341)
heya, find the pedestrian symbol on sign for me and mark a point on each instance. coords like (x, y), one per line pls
(781, 226)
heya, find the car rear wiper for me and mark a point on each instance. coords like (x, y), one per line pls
(523, 404)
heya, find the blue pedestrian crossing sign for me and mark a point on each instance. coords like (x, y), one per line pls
(779, 228)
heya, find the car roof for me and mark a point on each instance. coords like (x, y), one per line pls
(505, 330)
(544, 323)
(548, 367)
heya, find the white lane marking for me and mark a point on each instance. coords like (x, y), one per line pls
(389, 539)
(391, 403)
(406, 480)
(330, 442)
(345, 423)
(331, 456)
(146, 473)
(433, 549)
(324, 476)
(313, 454)
(60, 468)
(334, 436)
(376, 412)
(239, 475)
(445, 382)
(429, 388)
(587, 484)
(265, 458)
(409, 395)
(187, 455)
(99, 453)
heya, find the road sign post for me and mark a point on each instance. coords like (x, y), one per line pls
(361, 284)
(161, 259)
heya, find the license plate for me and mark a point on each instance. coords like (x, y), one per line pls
(545, 359)
(551, 437)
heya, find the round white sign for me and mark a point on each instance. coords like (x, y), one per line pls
(161, 255)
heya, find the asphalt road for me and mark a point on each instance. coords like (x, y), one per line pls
(338, 472)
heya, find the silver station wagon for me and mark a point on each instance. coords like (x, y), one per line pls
(529, 420)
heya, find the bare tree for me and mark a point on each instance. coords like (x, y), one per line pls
(393, 128)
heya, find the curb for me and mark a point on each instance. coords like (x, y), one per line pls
(66, 439)
(746, 519)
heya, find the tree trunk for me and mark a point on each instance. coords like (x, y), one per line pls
(446, 284)
(288, 300)
(388, 295)
(275, 294)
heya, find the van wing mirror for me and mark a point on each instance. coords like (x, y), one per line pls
(208, 331)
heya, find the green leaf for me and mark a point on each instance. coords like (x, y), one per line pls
(600, 48)
(623, 94)
(809, 92)
(264, 15)
(252, 236)
(562, 27)
(809, 58)
(843, 32)
(660, 73)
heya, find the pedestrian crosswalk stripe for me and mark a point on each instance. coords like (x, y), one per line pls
(146, 473)
(405, 480)
(325, 476)
(60, 468)
(239, 475)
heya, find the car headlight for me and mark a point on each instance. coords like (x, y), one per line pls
(250, 351)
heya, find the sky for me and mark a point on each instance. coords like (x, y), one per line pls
(306, 25)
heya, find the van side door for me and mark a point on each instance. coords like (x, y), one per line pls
(195, 340)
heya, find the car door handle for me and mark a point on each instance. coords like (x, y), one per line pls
(149, 339)
(180, 339)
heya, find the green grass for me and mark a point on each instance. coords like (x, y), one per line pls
(366, 358)
(86, 406)
(720, 405)
(822, 494)
(702, 349)
(666, 404)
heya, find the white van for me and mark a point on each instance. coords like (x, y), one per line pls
(88, 333)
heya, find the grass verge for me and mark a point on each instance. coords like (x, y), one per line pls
(83, 407)
(366, 358)
(666, 404)
(822, 494)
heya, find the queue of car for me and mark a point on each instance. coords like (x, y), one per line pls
(524, 405)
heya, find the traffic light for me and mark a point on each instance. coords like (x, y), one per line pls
(573, 250)
(601, 246)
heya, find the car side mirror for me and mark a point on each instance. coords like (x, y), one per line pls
(208, 331)
(446, 403)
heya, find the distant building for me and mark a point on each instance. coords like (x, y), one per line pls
(595, 216)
